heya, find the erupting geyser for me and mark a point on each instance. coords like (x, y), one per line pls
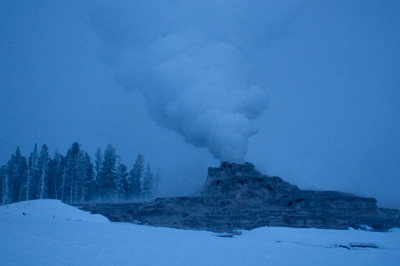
(195, 63)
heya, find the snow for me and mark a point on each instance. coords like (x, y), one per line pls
(53, 233)
(52, 209)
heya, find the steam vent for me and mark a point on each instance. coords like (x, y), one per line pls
(236, 196)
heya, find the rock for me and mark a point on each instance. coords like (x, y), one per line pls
(237, 196)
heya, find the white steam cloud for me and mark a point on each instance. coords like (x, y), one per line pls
(194, 63)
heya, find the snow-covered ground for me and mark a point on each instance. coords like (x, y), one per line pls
(48, 232)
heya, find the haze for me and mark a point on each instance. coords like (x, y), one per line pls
(308, 90)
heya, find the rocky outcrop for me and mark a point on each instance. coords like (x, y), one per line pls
(237, 196)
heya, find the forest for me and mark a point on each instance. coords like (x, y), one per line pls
(74, 177)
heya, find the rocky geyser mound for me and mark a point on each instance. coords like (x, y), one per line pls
(236, 196)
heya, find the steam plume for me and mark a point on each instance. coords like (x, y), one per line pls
(194, 63)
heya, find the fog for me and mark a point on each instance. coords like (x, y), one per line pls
(305, 90)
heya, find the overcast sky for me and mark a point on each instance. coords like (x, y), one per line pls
(310, 90)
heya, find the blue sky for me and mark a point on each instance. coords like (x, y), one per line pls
(330, 72)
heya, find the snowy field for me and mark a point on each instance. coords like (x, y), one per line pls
(48, 232)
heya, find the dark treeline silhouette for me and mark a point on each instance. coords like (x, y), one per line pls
(74, 178)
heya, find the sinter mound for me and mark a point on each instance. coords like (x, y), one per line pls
(236, 196)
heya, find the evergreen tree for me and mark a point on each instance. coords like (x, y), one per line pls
(74, 178)
(84, 177)
(77, 179)
(70, 173)
(16, 170)
(135, 177)
(107, 177)
(51, 193)
(98, 160)
(66, 180)
(6, 199)
(81, 182)
(148, 182)
(90, 179)
(23, 188)
(122, 180)
(29, 186)
(57, 169)
(79, 185)
(43, 182)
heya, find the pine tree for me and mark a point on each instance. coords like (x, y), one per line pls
(51, 184)
(42, 185)
(135, 177)
(148, 182)
(69, 174)
(107, 177)
(16, 170)
(74, 178)
(65, 181)
(90, 179)
(23, 188)
(84, 177)
(57, 169)
(29, 186)
(6, 199)
(122, 180)
(97, 167)
(79, 185)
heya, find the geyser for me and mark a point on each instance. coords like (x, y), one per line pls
(237, 196)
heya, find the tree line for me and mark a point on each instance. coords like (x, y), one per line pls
(74, 178)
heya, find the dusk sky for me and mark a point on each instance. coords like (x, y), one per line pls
(306, 90)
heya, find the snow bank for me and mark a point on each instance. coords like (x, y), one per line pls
(53, 209)
(52, 233)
